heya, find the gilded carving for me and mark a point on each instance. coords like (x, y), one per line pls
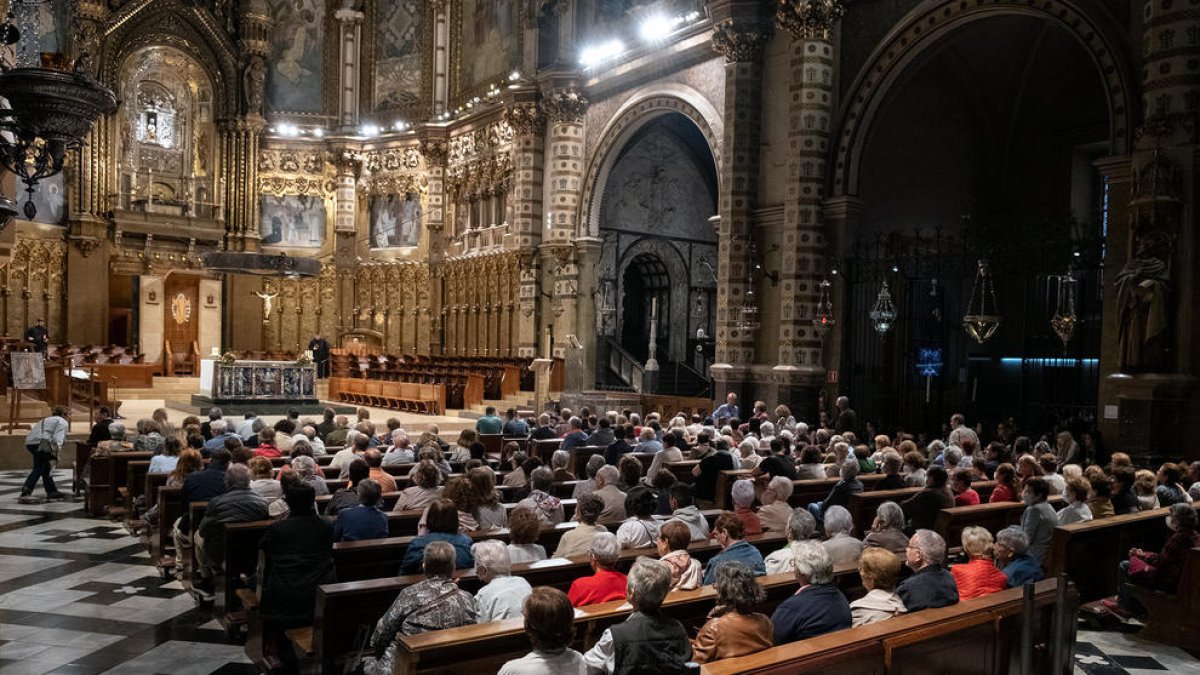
(809, 19)
(567, 105)
(392, 159)
(525, 118)
(740, 43)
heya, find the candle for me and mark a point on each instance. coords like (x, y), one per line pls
(653, 308)
(546, 343)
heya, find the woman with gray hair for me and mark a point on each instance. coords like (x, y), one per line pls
(606, 583)
(843, 549)
(818, 607)
(748, 454)
(801, 527)
(743, 500)
(306, 468)
(149, 438)
(548, 508)
(775, 510)
(839, 494)
(648, 641)
(434, 603)
(558, 463)
(1012, 557)
(587, 486)
(1160, 571)
(733, 627)
(887, 530)
(502, 595)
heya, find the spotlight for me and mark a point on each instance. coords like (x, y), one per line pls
(656, 28)
(605, 51)
(514, 76)
(318, 132)
(369, 130)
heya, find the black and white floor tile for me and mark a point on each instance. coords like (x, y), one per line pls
(78, 596)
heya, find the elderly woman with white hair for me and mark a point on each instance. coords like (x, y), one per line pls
(502, 595)
(801, 526)
(559, 462)
(766, 433)
(587, 486)
(839, 494)
(648, 641)
(818, 607)
(775, 510)
(605, 583)
(979, 576)
(931, 585)
(887, 530)
(306, 468)
(743, 503)
(748, 457)
(842, 547)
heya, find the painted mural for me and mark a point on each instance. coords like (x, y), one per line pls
(395, 220)
(295, 80)
(50, 199)
(490, 49)
(292, 220)
(398, 62)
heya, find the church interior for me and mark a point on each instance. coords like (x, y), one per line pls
(599, 336)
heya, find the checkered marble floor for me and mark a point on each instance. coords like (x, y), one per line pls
(78, 595)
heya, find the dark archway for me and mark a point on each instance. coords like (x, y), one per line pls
(646, 287)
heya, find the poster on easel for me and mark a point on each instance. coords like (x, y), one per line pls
(28, 370)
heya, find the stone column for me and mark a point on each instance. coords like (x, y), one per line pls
(345, 238)
(565, 106)
(800, 367)
(240, 141)
(525, 210)
(1115, 175)
(741, 32)
(842, 216)
(587, 256)
(349, 64)
(1153, 386)
(439, 11)
(435, 148)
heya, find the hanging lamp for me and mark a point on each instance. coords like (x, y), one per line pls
(883, 314)
(982, 318)
(823, 312)
(1065, 320)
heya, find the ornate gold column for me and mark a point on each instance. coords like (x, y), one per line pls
(741, 32)
(435, 149)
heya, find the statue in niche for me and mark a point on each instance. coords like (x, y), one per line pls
(252, 84)
(1143, 287)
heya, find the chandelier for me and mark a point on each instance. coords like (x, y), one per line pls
(262, 264)
(1065, 320)
(883, 314)
(748, 319)
(823, 312)
(982, 318)
(51, 108)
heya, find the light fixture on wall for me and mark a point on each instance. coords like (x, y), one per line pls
(982, 319)
(52, 107)
(604, 304)
(1065, 320)
(823, 318)
(883, 314)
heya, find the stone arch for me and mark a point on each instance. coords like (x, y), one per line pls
(677, 271)
(642, 107)
(922, 29)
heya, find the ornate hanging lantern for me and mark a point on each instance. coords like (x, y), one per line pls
(982, 318)
(1065, 320)
(823, 312)
(883, 314)
(748, 321)
(52, 105)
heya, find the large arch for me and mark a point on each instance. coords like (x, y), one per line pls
(921, 30)
(644, 106)
(676, 269)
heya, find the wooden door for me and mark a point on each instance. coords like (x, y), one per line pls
(181, 316)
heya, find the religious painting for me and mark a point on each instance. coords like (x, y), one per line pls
(28, 370)
(50, 199)
(398, 63)
(296, 77)
(395, 220)
(292, 220)
(491, 32)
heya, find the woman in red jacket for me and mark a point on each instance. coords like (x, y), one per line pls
(980, 576)
(1006, 485)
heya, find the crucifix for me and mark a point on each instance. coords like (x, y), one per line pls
(266, 300)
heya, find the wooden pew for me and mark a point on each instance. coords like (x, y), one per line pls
(1174, 617)
(1089, 552)
(683, 470)
(992, 517)
(864, 505)
(805, 492)
(579, 458)
(109, 473)
(980, 637)
(162, 547)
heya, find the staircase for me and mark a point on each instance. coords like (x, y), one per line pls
(625, 371)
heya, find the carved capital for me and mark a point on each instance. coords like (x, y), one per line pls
(348, 163)
(435, 151)
(85, 244)
(525, 118)
(809, 19)
(740, 43)
(565, 105)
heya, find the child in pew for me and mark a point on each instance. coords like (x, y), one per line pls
(435, 603)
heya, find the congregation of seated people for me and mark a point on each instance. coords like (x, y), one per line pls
(904, 564)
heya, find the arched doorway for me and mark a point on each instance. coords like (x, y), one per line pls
(983, 146)
(660, 250)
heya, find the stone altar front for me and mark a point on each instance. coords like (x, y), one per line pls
(279, 381)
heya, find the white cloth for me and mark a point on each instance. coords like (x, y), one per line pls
(635, 533)
(659, 462)
(876, 605)
(566, 662)
(523, 553)
(1058, 484)
(603, 656)
(163, 463)
(502, 598)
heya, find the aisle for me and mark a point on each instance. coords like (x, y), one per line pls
(78, 596)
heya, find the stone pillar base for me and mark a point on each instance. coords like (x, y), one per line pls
(1151, 414)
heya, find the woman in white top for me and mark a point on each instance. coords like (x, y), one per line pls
(549, 625)
(749, 454)
(53, 429)
(165, 461)
(640, 529)
(1076, 510)
(880, 572)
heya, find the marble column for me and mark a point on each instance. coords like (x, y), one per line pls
(435, 148)
(528, 123)
(240, 142)
(741, 32)
(349, 64)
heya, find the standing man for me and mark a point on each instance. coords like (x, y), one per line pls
(38, 337)
(319, 346)
(728, 410)
(847, 419)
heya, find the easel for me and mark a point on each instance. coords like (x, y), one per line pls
(14, 398)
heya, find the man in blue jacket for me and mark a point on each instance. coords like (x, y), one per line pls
(818, 607)
(728, 531)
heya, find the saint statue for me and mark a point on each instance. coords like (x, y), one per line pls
(1142, 288)
(252, 85)
(266, 298)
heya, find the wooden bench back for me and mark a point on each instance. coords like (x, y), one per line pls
(992, 517)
